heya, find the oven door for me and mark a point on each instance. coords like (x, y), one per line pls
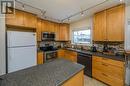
(50, 55)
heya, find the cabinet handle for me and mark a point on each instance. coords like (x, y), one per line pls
(104, 64)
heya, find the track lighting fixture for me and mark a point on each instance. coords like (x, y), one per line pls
(68, 19)
(82, 13)
(23, 6)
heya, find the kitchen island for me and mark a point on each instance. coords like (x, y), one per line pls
(58, 72)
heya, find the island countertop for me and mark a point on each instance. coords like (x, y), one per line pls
(52, 73)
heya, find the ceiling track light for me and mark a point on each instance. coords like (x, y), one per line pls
(121, 0)
(82, 13)
(68, 19)
(23, 7)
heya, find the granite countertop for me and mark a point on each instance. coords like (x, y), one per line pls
(52, 73)
(114, 57)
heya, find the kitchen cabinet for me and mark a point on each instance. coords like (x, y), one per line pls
(109, 24)
(57, 31)
(99, 31)
(40, 58)
(71, 55)
(77, 80)
(15, 19)
(21, 19)
(109, 71)
(61, 53)
(115, 23)
(39, 30)
(47, 26)
(30, 20)
(66, 54)
(64, 32)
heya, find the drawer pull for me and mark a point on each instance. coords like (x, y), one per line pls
(104, 64)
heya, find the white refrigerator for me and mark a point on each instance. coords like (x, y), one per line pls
(21, 50)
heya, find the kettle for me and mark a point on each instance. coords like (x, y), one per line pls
(94, 49)
(105, 48)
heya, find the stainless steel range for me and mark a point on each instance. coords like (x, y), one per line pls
(49, 55)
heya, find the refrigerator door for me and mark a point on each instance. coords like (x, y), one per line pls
(21, 58)
(20, 39)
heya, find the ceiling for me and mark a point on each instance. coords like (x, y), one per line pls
(60, 9)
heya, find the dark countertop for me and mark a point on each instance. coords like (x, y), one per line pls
(114, 57)
(52, 73)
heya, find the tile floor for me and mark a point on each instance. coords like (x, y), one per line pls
(92, 82)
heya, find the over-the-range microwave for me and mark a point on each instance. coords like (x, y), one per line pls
(48, 36)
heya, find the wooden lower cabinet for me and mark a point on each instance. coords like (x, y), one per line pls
(66, 54)
(71, 55)
(40, 58)
(108, 71)
(77, 80)
(61, 53)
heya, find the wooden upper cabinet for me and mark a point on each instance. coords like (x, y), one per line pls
(99, 32)
(30, 20)
(51, 27)
(22, 19)
(115, 23)
(57, 31)
(15, 19)
(39, 29)
(64, 32)
(109, 24)
(45, 26)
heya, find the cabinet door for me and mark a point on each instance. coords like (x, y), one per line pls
(15, 19)
(99, 32)
(30, 20)
(40, 58)
(70, 55)
(57, 31)
(39, 29)
(115, 23)
(45, 26)
(64, 32)
(51, 27)
(61, 53)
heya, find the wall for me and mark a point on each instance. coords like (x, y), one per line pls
(127, 45)
(86, 22)
(2, 45)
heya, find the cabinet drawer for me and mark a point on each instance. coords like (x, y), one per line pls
(109, 69)
(108, 79)
(109, 61)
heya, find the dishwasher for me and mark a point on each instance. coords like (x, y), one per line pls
(86, 60)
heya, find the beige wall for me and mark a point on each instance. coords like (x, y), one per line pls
(128, 12)
(86, 22)
(126, 30)
(2, 46)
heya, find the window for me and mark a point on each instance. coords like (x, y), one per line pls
(82, 36)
